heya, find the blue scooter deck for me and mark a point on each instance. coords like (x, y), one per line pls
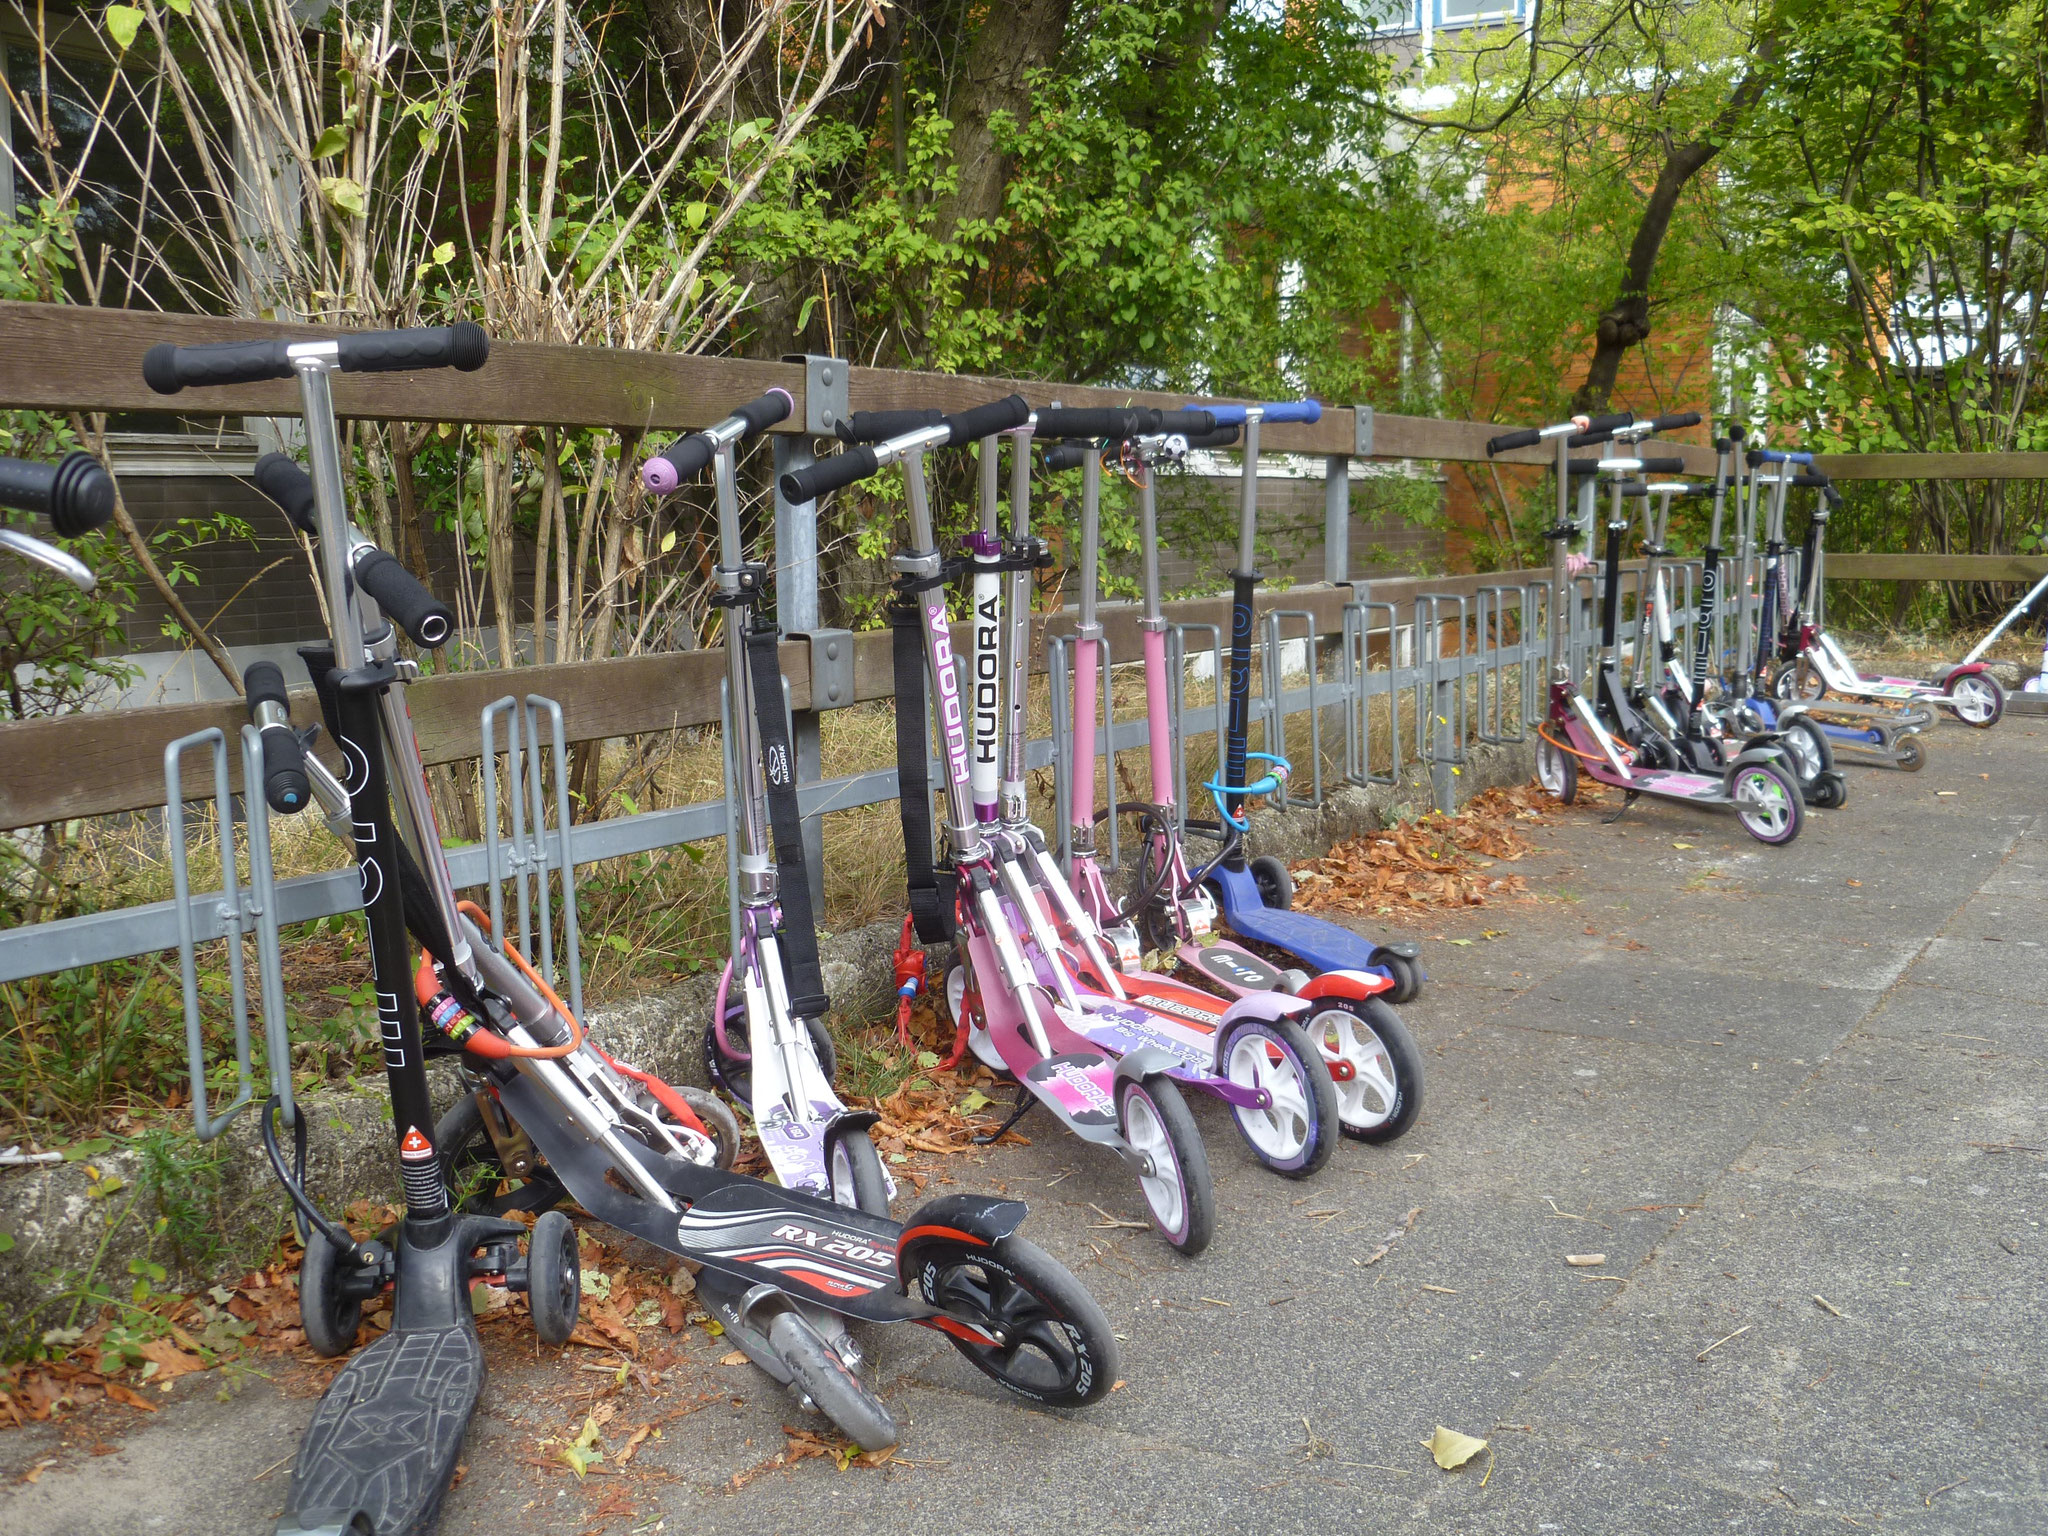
(1322, 944)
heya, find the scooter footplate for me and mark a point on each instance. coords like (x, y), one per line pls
(1324, 945)
(386, 1438)
(1082, 1088)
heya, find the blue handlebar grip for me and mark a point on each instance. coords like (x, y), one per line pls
(1279, 410)
(1294, 410)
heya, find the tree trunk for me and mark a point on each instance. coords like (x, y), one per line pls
(1013, 40)
(1626, 322)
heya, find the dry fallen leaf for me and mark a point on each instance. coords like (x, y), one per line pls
(1585, 1260)
(1451, 1449)
(733, 1357)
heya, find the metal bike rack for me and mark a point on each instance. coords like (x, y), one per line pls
(1177, 650)
(239, 918)
(523, 858)
(1357, 673)
(1493, 709)
(1058, 666)
(1273, 697)
(1440, 688)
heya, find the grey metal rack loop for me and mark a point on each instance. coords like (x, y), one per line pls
(1274, 702)
(526, 857)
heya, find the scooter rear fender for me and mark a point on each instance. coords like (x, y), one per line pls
(1352, 984)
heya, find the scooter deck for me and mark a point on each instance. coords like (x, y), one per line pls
(1668, 783)
(386, 1437)
(757, 1233)
(1232, 967)
(1324, 945)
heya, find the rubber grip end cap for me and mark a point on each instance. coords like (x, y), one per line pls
(160, 368)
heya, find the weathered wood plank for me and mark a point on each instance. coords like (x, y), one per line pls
(1936, 567)
(62, 357)
(109, 762)
(1934, 466)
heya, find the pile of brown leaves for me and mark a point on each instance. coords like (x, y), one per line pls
(1434, 864)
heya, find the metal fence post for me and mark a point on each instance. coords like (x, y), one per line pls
(796, 576)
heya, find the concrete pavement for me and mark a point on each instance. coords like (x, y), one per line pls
(1751, 1078)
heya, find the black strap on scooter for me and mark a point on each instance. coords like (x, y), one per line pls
(932, 891)
(807, 996)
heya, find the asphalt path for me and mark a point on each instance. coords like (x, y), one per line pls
(1793, 1096)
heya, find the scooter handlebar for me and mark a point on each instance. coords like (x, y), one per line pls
(685, 458)
(399, 593)
(987, 420)
(1218, 436)
(1066, 456)
(168, 368)
(285, 786)
(1115, 423)
(880, 426)
(1757, 456)
(75, 493)
(1507, 442)
(281, 479)
(1274, 411)
(1673, 422)
(842, 469)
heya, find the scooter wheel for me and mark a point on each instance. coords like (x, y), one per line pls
(855, 1169)
(1403, 972)
(329, 1318)
(1829, 791)
(554, 1278)
(1912, 757)
(1977, 699)
(1178, 1193)
(1557, 771)
(1056, 1347)
(1767, 803)
(1293, 1136)
(833, 1389)
(1806, 747)
(735, 1073)
(1276, 885)
(1798, 681)
(476, 1178)
(1382, 1096)
(720, 1121)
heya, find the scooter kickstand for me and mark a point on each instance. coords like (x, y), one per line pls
(1025, 1104)
(1628, 798)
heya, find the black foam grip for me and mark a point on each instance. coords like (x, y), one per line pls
(286, 787)
(1612, 421)
(842, 469)
(1634, 488)
(1220, 437)
(1670, 466)
(1673, 422)
(462, 346)
(1809, 480)
(1591, 437)
(1508, 441)
(168, 368)
(1066, 456)
(688, 454)
(1583, 467)
(399, 593)
(987, 420)
(75, 494)
(880, 426)
(281, 479)
(762, 413)
(1188, 423)
(1114, 423)
(263, 683)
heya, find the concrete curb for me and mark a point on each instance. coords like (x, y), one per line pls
(60, 1215)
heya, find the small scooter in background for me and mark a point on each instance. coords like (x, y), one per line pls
(1812, 664)
(767, 1045)
(1755, 785)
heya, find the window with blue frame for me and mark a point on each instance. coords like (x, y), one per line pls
(1409, 15)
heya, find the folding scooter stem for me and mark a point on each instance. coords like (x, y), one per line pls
(1244, 583)
(1087, 657)
(1729, 455)
(1017, 633)
(985, 548)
